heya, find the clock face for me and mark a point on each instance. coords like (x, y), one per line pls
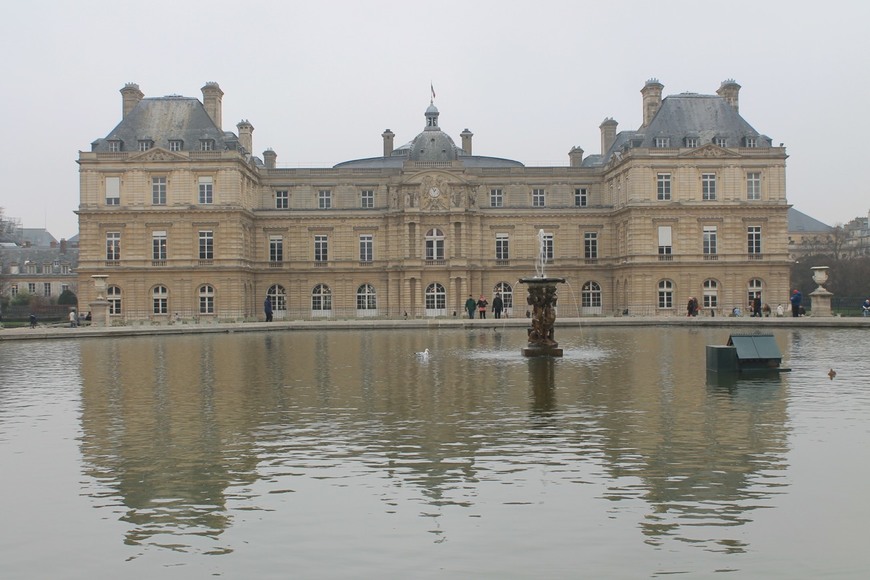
(434, 192)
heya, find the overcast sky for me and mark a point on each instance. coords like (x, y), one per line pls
(320, 81)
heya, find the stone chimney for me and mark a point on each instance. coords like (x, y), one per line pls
(212, 99)
(388, 142)
(269, 158)
(466, 140)
(576, 156)
(246, 135)
(729, 90)
(130, 97)
(608, 134)
(652, 100)
(63, 245)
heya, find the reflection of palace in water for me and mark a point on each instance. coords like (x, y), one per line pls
(178, 428)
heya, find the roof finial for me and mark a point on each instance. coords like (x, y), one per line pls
(432, 90)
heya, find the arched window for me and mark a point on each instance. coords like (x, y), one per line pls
(113, 294)
(711, 294)
(753, 290)
(666, 294)
(206, 299)
(436, 300)
(434, 244)
(278, 297)
(321, 300)
(590, 295)
(160, 300)
(366, 300)
(507, 295)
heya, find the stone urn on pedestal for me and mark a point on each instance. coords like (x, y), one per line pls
(100, 306)
(820, 299)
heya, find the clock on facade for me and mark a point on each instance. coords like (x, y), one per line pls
(434, 192)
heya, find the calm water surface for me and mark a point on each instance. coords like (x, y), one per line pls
(342, 455)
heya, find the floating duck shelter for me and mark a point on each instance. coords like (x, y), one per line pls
(745, 353)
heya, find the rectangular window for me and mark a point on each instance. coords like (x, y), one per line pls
(324, 199)
(176, 144)
(206, 245)
(692, 141)
(496, 197)
(753, 186)
(539, 198)
(321, 248)
(721, 141)
(113, 246)
(145, 144)
(590, 245)
(158, 190)
(367, 198)
(502, 247)
(113, 191)
(366, 247)
(708, 186)
(548, 246)
(46, 289)
(750, 142)
(581, 198)
(753, 239)
(115, 146)
(710, 240)
(276, 249)
(282, 199)
(661, 142)
(31, 288)
(158, 245)
(206, 145)
(663, 186)
(206, 190)
(13, 290)
(665, 247)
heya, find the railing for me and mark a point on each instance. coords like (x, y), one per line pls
(434, 262)
(666, 257)
(502, 262)
(158, 263)
(754, 257)
(206, 262)
(711, 257)
(276, 264)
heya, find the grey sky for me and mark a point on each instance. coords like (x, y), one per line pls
(320, 81)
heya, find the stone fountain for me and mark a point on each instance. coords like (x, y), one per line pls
(542, 298)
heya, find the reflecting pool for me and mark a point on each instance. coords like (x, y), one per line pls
(341, 454)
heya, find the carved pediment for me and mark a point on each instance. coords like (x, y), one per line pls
(708, 151)
(156, 154)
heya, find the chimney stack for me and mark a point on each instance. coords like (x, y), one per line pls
(652, 100)
(576, 156)
(608, 134)
(269, 158)
(729, 90)
(466, 140)
(246, 135)
(130, 97)
(212, 97)
(388, 142)
(63, 245)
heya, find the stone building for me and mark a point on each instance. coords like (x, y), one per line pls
(187, 222)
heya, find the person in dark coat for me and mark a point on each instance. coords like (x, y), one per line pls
(470, 306)
(482, 303)
(796, 302)
(267, 308)
(497, 305)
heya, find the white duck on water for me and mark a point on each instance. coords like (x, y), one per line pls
(424, 354)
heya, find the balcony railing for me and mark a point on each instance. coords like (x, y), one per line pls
(158, 263)
(711, 257)
(755, 256)
(275, 264)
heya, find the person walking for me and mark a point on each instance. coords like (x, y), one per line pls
(73, 319)
(267, 308)
(795, 303)
(470, 305)
(482, 303)
(497, 305)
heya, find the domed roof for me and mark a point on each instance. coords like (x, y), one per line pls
(433, 146)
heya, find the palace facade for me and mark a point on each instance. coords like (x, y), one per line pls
(188, 223)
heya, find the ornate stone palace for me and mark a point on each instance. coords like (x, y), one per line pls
(188, 223)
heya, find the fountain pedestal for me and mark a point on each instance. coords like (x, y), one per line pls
(542, 298)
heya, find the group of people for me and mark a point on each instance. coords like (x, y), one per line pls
(479, 306)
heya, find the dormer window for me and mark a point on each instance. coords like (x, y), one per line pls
(206, 144)
(115, 145)
(662, 142)
(692, 141)
(750, 142)
(145, 144)
(720, 142)
(176, 144)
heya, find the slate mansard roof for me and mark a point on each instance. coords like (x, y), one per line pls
(164, 119)
(705, 118)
